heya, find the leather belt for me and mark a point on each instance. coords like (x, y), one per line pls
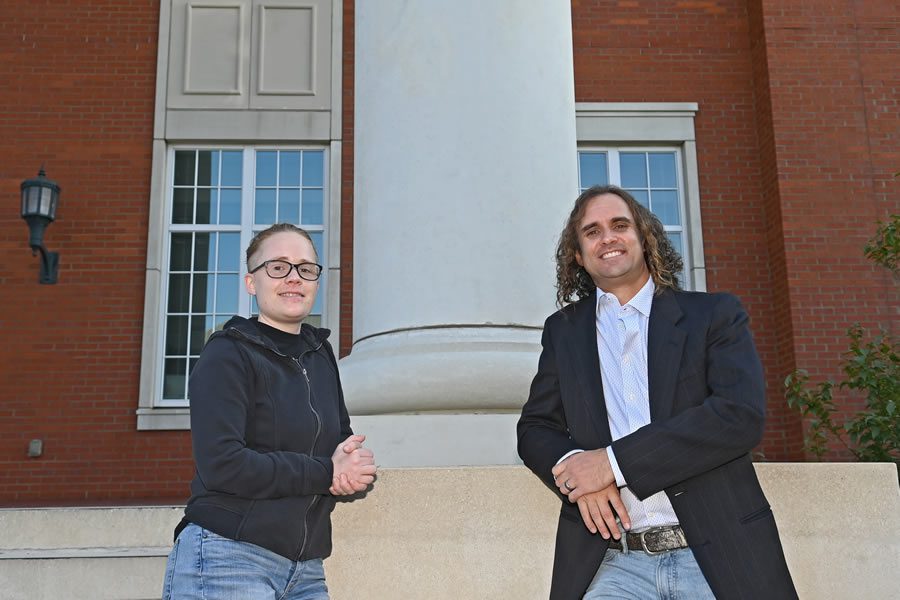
(653, 540)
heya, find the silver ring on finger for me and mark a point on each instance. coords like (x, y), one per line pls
(568, 487)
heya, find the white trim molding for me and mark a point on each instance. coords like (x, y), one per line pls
(672, 123)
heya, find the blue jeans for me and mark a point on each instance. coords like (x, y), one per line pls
(205, 566)
(668, 576)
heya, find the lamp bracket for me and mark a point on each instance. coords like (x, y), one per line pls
(49, 265)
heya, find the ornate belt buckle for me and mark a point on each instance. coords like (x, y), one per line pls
(644, 543)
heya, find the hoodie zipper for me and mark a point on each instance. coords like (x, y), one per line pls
(318, 417)
(315, 499)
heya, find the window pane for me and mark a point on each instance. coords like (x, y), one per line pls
(317, 238)
(677, 243)
(227, 294)
(206, 210)
(229, 252)
(220, 321)
(176, 335)
(289, 206)
(201, 302)
(205, 252)
(193, 363)
(313, 168)
(662, 170)
(312, 207)
(204, 288)
(675, 238)
(232, 167)
(179, 293)
(265, 168)
(210, 327)
(208, 168)
(200, 324)
(180, 252)
(665, 206)
(634, 169)
(184, 167)
(317, 305)
(265, 207)
(230, 209)
(641, 196)
(592, 169)
(174, 379)
(183, 206)
(317, 243)
(289, 171)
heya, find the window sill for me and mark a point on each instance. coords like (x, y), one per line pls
(160, 419)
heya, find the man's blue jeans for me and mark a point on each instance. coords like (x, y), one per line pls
(668, 576)
(205, 566)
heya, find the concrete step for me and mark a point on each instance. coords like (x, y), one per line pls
(458, 533)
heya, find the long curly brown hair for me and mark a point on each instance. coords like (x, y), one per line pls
(663, 261)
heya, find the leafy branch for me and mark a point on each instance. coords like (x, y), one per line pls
(871, 368)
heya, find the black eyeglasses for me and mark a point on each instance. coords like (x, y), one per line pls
(279, 269)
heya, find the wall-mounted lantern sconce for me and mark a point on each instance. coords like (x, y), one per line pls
(40, 197)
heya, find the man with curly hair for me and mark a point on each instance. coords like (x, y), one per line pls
(642, 415)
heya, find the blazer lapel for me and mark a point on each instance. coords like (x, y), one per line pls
(665, 343)
(586, 361)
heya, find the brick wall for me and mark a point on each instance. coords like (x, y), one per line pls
(782, 426)
(663, 51)
(346, 327)
(796, 140)
(834, 88)
(77, 94)
(798, 106)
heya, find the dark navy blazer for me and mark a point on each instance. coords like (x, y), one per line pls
(707, 408)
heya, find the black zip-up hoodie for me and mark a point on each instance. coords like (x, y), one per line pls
(264, 426)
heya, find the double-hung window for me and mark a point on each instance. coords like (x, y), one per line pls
(268, 74)
(651, 175)
(648, 149)
(218, 198)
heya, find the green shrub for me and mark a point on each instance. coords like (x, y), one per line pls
(884, 248)
(871, 368)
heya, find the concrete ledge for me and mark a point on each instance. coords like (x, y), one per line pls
(85, 553)
(459, 533)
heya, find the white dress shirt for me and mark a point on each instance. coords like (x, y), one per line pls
(622, 346)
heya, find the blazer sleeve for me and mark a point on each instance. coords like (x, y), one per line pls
(542, 432)
(221, 389)
(724, 425)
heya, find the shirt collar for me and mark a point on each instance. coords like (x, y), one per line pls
(641, 302)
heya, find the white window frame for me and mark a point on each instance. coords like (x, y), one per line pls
(652, 126)
(154, 412)
(615, 172)
(262, 127)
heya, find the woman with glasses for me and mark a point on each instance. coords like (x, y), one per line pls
(271, 440)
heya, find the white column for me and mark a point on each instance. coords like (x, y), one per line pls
(465, 162)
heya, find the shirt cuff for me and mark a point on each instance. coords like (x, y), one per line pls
(568, 454)
(620, 479)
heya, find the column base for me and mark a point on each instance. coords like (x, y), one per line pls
(440, 440)
(458, 369)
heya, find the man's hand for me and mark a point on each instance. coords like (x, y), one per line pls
(599, 510)
(583, 473)
(354, 467)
